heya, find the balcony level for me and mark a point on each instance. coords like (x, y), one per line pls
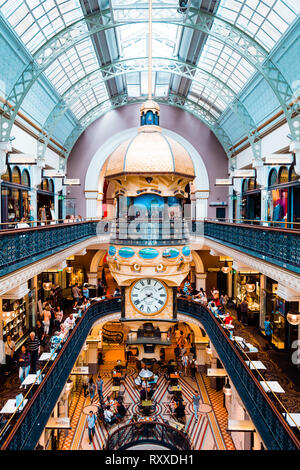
(22, 247)
(23, 430)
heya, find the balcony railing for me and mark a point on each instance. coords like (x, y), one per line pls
(147, 432)
(270, 424)
(20, 247)
(276, 245)
(153, 232)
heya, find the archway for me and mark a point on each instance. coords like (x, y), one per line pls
(94, 180)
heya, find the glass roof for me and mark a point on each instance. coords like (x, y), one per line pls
(35, 21)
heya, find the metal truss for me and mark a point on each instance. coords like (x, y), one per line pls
(173, 100)
(220, 29)
(198, 75)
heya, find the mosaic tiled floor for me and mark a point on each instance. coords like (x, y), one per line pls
(208, 433)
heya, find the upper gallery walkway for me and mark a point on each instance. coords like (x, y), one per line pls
(278, 245)
(265, 410)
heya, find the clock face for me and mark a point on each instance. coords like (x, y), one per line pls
(148, 296)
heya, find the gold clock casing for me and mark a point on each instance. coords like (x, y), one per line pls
(145, 313)
(166, 312)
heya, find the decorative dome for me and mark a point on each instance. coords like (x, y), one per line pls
(152, 152)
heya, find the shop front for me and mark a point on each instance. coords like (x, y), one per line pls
(45, 200)
(276, 309)
(18, 313)
(247, 287)
(284, 196)
(251, 201)
(15, 197)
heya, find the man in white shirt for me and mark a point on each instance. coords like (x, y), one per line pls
(69, 322)
(109, 416)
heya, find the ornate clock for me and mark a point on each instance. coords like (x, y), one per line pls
(148, 296)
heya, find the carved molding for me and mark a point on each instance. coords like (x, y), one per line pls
(281, 275)
(15, 279)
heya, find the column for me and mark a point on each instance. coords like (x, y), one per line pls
(93, 279)
(201, 356)
(262, 301)
(35, 181)
(2, 355)
(91, 203)
(295, 147)
(99, 205)
(201, 281)
(92, 357)
(201, 204)
(229, 282)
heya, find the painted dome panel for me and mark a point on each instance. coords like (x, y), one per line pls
(112, 251)
(148, 253)
(186, 251)
(126, 252)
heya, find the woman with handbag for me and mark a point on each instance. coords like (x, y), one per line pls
(24, 363)
(9, 354)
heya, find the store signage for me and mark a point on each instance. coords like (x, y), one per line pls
(278, 159)
(244, 173)
(21, 159)
(218, 203)
(53, 174)
(223, 182)
(71, 182)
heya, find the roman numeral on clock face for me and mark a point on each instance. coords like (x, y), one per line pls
(148, 296)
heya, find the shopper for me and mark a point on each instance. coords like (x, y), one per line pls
(85, 291)
(40, 332)
(46, 315)
(76, 293)
(244, 312)
(9, 347)
(85, 383)
(91, 422)
(196, 401)
(99, 384)
(92, 389)
(193, 368)
(24, 363)
(184, 361)
(33, 346)
(109, 416)
(268, 333)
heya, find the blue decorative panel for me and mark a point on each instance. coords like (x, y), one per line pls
(186, 251)
(171, 253)
(126, 252)
(148, 253)
(112, 251)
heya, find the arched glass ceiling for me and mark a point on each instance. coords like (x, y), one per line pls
(35, 21)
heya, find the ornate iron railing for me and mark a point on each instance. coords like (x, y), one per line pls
(110, 336)
(271, 426)
(27, 430)
(147, 432)
(276, 245)
(152, 232)
(21, 247)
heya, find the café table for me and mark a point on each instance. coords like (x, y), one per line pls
(293, 419)
(47, 356)
(176, 425)
(174, 375)
(176, 388)
(29, 380)
(115, 389)
(10, 406)
(273, 385)
(256, 365)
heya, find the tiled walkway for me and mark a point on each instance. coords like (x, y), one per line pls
(208, 433)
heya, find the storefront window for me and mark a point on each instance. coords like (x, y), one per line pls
(15, 318)
(283, 175)
(248, 288)
(16, 176)
(278, 205)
